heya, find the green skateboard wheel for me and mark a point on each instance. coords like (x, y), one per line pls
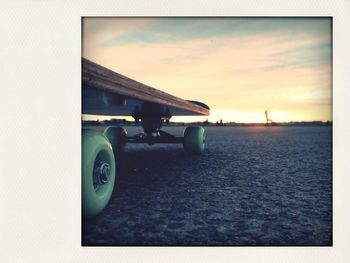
(117, 137)
(194, 140)
(98, 172)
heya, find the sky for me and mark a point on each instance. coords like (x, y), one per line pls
(239, 67)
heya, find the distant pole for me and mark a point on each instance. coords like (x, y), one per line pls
(267, 118)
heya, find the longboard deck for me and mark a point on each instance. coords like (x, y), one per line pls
(106, 92)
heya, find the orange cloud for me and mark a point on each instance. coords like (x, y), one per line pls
(237, 74)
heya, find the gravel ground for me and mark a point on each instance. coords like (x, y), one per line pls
(252, 186)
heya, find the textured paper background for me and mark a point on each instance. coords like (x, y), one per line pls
(40, 102)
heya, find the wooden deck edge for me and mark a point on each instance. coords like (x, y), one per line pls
(97, 76)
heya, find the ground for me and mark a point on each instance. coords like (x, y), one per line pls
(251, 186)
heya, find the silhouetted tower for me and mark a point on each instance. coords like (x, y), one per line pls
(267, 118)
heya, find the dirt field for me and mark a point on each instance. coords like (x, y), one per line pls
(252, 186)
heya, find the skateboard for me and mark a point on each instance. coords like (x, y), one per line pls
(105, 92)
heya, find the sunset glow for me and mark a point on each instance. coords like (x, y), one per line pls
(240, 67)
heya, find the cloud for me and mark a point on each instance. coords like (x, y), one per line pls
(232, 64)
(179, 29)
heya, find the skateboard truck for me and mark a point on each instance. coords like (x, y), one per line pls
(152, 115)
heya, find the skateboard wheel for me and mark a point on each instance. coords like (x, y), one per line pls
(194, 140)
(117, 137)
(98, 172)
